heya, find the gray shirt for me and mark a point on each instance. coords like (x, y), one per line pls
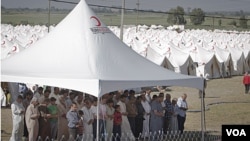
(72, 118)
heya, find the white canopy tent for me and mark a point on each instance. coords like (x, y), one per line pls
(82, 54)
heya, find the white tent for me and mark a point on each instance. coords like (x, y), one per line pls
(3, 98)
(208, 65)
(238, 61)
(181, 61)
(224, 57)
(158, 58)
(81, 53)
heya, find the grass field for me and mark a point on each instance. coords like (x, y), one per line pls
(113, 19)
(225, 103)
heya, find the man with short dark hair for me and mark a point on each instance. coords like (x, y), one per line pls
(44, 96)
(55, 94)
(53, 110)
(39, 92)
(73, 120)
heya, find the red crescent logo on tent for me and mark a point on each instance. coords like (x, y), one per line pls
(3, 43)
(98, 21)
(15, 48)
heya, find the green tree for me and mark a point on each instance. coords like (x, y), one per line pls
(176, 16)
(233, 22)
(243, 22)
(219, 22)
(197, 16)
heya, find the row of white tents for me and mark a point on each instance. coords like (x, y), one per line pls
(213, 54)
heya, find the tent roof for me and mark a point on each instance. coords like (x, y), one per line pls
(81, 53)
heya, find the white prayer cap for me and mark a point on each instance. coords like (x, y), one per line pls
(33, 99)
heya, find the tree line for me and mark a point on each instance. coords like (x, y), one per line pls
(176, 16)
(197, 17)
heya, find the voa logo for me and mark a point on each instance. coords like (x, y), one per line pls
(236, 132)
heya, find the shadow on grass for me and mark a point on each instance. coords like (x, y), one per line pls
(216, 103)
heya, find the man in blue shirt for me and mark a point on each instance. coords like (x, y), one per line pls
(73, 120)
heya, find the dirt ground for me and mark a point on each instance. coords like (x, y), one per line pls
(225, 103)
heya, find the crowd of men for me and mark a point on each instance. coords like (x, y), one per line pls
(55, 113)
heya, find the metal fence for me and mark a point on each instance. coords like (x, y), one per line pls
(160, 136)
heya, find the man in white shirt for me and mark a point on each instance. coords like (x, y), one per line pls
(147, 108)
(55, 94)
(94, 113)
(31, 116)
(148, 97)
(17, 110)
(88, 119)
(125, 126)
(183, 107)
(102, 115)
(39, 92)
(44, 96)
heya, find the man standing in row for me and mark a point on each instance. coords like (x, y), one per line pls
(246, 82)
(183, 107)
(31, 117)
(17, 110)
(73, 121)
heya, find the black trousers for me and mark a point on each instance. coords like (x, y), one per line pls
(138, 126)
(181, 122)
(25, 130)
(117, 133)
(94, 128)
(132, 124)
(246, 88)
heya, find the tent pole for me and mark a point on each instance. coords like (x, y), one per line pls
(122, 17)
(97, 120)
(202, 115)
(49, 16)
(138, 3)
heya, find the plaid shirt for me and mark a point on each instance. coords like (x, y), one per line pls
(80, 128)
(168, 109)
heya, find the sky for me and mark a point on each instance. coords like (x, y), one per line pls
(156, 5)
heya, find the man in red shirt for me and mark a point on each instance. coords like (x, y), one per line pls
(246, 82)
(117, 123)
